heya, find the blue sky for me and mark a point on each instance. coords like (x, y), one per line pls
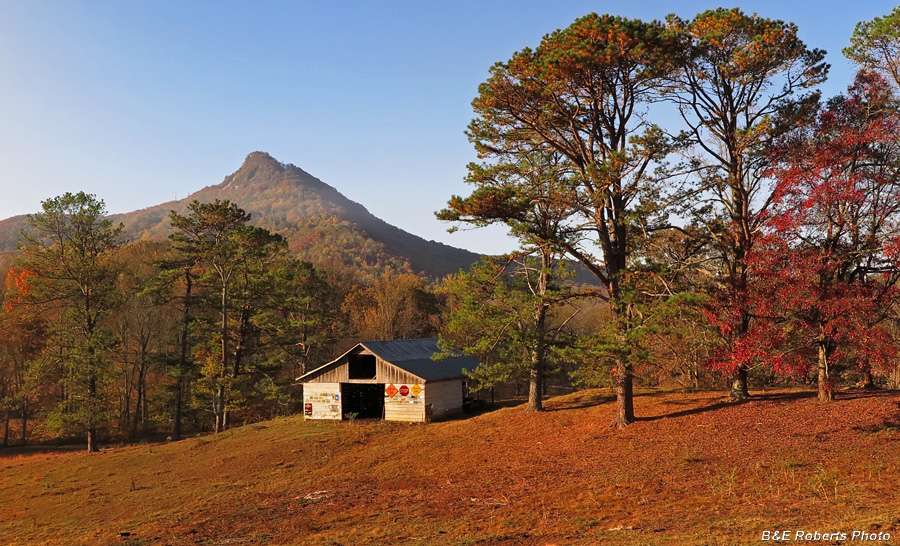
(140, 102)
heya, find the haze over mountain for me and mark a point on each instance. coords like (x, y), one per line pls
(319, 223)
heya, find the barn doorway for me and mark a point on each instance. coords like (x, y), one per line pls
(366, 400)
(362, 366)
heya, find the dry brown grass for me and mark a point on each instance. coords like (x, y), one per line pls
(695, 470)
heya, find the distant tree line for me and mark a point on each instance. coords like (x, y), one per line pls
(102, 339)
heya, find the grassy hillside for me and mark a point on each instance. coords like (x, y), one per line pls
(695, 470)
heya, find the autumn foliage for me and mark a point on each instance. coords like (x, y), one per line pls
(827, 267)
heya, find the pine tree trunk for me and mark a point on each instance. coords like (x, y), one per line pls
(219, 407)
(536, 374)
(141, 398)
(624, 384)
(128, 379)
(739, 390)
(624, 377)
(182, 360)
(740, 207)
(220, 388)
(535, 388)
(92, 426)
(176, 410)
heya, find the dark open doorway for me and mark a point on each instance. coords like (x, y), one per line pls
(362, 367)
(366, 400)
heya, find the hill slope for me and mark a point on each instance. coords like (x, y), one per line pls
(695, 470)
(320, 224)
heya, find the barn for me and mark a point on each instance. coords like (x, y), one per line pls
(396, 380)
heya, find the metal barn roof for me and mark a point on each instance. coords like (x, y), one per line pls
(410, 355)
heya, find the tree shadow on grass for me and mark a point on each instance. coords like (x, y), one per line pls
(481, 409)
(884, 427)
(579, 404)
(862, 392)
(590, 399)
(726, 403)
(15, 452)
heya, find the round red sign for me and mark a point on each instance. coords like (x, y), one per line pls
(404, 390)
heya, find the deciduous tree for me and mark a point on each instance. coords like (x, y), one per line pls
(23, 334)
(831, 258)
(395, 306)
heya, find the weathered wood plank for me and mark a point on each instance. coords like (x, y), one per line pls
(322, 398)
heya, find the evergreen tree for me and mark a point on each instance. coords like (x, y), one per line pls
(216, 236)
(68, 252)
(580, 95)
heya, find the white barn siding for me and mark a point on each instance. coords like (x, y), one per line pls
(446, 397)
(322, 397)
(400, 408)
(409, 408)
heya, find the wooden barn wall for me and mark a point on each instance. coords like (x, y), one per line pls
(412, 411)
(322, 398)
(410, 408)
(446, 397)
(389, 374)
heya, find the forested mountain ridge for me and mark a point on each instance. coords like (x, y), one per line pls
(320, 224)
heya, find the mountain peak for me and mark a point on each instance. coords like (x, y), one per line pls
(259, 169)
(259, 158)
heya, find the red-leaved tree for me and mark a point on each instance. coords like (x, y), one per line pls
(826, 270)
